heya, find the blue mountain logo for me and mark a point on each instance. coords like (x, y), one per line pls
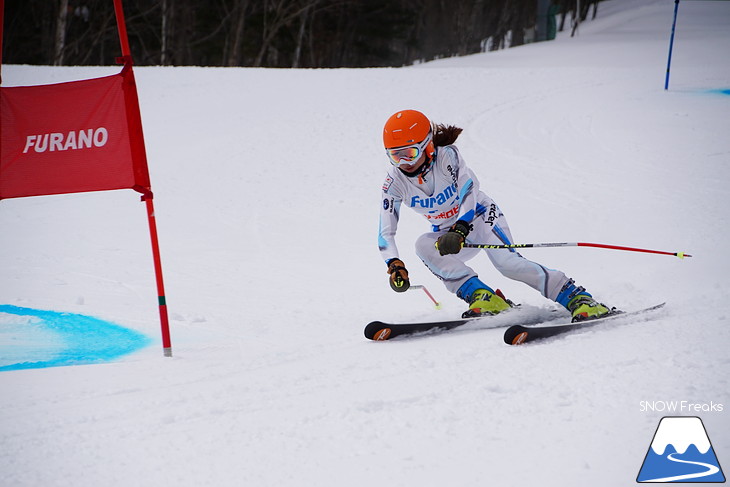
(681, 452)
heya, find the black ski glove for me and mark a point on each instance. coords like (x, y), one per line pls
(451, 241)
(398, 275)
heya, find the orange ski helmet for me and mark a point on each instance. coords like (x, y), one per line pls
(408, 128)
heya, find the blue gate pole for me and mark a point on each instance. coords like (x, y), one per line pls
(671, 44)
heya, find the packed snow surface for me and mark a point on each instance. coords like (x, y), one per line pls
(267, 191)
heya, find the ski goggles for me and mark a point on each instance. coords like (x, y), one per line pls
(409, 154)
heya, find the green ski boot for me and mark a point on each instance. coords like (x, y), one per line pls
(484, 302)
(583, 307)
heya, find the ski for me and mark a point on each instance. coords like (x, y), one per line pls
(519, 334)
(380, 330)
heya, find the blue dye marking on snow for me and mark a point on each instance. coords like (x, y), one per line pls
(721, 91)
(32, 338)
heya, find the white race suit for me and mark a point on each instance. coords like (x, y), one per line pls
(449, 191)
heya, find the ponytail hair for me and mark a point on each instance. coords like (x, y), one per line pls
(444, 135)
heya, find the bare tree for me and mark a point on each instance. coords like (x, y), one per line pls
(300, 36)
(60, 33)
(165, 21)
(234, 52)
(277, 15)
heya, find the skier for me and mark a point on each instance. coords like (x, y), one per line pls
(430, 177)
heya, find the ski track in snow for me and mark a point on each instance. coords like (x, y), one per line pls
(267, 190)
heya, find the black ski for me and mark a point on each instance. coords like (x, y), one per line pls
(519, 334)
(380, 330)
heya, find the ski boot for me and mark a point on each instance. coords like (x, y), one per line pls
(484, 302)
(581, 304)
(583, 307)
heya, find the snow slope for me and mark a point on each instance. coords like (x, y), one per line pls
(267, 194)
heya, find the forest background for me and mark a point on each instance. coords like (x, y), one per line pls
(279, 33)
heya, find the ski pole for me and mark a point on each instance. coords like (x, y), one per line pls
(419, 286)
(681, 255)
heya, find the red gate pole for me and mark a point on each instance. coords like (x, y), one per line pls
(164, 322)
(147, 198)
(122, 28)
